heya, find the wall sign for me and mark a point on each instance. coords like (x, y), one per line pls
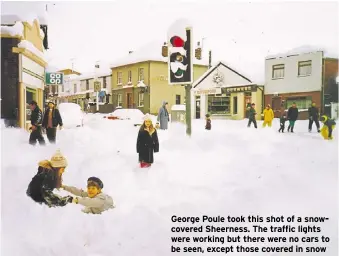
(240, 89)
(54, 78)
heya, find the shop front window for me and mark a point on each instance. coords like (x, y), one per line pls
(218, 104)
(301, 102)
(30, 95)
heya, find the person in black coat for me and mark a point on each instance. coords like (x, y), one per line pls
(208, 125)
(282, 123)
(49, 177)
(36, 120)
(313, 116)
(51, 120)
(147, 143)
(292, 116)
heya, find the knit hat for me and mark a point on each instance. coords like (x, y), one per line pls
(95, 181)
(147, 117)
(58, 160)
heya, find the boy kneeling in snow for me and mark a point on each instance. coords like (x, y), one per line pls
(94, 200)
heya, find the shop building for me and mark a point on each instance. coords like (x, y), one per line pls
(224, 93)
(22, 68)
(303, 76)
(140, 80)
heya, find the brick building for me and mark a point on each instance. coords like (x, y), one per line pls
(302, 78)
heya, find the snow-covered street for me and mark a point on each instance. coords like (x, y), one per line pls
(230, 170)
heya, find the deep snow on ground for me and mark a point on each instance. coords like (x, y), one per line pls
(230, 170)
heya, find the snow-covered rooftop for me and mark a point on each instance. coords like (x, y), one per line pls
(16, 30)
(90, 75)
(24, 17)
(148, 52)
(29, 46)
(305, 49)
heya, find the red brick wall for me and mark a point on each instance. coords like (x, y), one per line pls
(316, 97)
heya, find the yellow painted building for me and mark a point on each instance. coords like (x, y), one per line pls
(23, 70)
(142, 82)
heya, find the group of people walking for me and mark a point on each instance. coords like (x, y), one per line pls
(292, 116)
(49, 121)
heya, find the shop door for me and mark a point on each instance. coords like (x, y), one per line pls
(129, 100)
(276, 106)
(248, 101)
(197, 109)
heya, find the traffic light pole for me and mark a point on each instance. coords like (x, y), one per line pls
(188, 110)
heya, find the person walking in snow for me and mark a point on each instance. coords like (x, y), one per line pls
(268, 116)
(51, 120)
(208, 125)
(313, 116)
(251, 116)
(163, 116)
(292, 116)
(328, 127)
(36, 121)
(282, 123)
(49, 177)
(147, 142)
(94, 200)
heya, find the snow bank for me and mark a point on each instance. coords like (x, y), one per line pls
(148, 52)
(230, 170)
(29, 46)
(16, 30)
(178, 108)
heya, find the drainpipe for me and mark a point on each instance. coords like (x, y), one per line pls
(262, 98)
(322, 86)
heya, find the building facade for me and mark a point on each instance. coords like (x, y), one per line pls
(301, 78)
(224, 94)
(22, 69)
(140, 80)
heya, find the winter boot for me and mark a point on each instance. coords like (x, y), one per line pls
(292, 129)
(318, 130)
(142, 164)
(288, 128)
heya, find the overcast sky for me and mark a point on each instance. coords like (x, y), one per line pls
(239, 33)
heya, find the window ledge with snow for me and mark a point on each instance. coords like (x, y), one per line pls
(277, 78)
(304, 75)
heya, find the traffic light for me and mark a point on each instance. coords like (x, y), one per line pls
(164, 50)
(180, 56)
(198, 53)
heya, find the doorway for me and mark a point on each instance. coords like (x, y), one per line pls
(197, 108)
(129, 100)
(276, 106)
(247, 103)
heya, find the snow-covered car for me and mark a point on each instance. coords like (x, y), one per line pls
(71, 114)
(134, 115)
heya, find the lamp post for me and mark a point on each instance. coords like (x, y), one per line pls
(97, 66)
(209, 52)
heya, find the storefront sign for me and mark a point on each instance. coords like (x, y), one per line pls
(240, 89)
(54, 78)
(209, 91)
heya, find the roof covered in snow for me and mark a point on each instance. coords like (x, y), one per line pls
(7, 19)
(305, 49)
(210, 70)
(148, 52)
(16, 30)
(29, 46)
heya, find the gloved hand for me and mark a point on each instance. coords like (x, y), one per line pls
(68, 199)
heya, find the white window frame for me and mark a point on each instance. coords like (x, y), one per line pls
(119, 78)
(129, 76)
(119, 100)
(305, 68)
(141, 74)
(141, 99)
(278, 75)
